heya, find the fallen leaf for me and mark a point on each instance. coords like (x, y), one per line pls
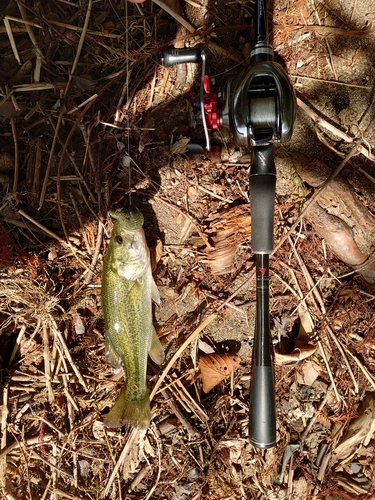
(303, 346)
(180, 146)
(215, 368)
(360, 430)
(297, 354)
(308, 372)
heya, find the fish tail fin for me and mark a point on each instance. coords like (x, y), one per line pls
(127, 411)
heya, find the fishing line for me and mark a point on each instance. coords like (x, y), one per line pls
(156, 61)
(129, 162)
(127, 159)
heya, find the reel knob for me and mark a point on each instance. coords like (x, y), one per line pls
(211, 105)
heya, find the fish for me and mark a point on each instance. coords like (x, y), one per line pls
(128, 289)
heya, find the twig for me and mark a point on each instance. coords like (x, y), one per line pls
(72, 27)
(4, 448)
(80, 46)
(330, 374)
(363, 370)
(153, 83)
(18, 342)
(59, 168)
(150, 493)
(195, 224)
(344, 357)
(303, 302)
(38, 52)
(176, 410)
(57, 332)
(319, 120)
(176, 16)
(51, 158)
(33, 87)
(353, 151)
(322, 30)
(47, 366)
(47, 422)
(61, 471)
(95, 257)
(313, 287)
(195, 31)
(312, 421)
(237, 291)
(11, 39)
(135, 435)
(40, 226)
(179, 351)
(16, 155)
(327, 43)
(88, 248)
(331, 82)
(28, 441)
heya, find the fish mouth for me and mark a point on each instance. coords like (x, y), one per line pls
(131, 218)
(134, 260)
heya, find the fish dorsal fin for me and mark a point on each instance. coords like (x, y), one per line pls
(155, 293)
(156, 349)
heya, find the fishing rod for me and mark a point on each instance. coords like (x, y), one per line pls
(257, 107)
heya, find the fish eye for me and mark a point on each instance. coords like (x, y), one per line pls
(118, 240)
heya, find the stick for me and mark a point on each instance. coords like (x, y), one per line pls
(16, 155)
(43, 228)
(67, 353)
(331, 128)
(134, 436)
(178, 353)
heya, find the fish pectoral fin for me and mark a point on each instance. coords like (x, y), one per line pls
(156, 351)
(155, 293)
(111, 355)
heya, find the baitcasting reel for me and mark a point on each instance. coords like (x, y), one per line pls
(256, 107)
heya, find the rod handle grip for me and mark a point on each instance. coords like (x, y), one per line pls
(262, 410)
(262, 199)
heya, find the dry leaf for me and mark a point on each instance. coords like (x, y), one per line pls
(235, 447)
(304, 348)
(308, 372)
(296, 355)
(228, 229)
(360, 430)
(180, 146)
(215, 368)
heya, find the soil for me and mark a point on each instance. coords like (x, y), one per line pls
(116, 130)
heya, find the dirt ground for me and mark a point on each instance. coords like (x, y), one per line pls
(90, 119)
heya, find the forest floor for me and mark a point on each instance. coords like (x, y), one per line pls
(91, 118)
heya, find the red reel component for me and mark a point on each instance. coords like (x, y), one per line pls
(210, 101)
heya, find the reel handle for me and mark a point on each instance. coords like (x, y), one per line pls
(172, 56)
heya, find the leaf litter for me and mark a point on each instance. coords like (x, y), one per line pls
(65, 109)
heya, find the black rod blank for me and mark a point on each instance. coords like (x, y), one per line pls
(262, 410)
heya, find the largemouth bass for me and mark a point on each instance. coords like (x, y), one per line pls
(128, 289)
